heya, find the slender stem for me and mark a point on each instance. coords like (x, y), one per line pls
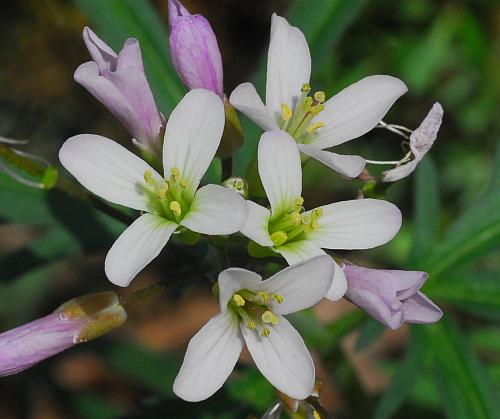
(142, 294)
(227, 168)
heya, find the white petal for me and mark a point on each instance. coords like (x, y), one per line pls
(138, 245)
(423, 137)
(210, 357)
(246, 99)
(107, 169)
(280, 170)
(193, 134)
(301, 285)
(350, 166)
(357, 109)
(339, 284)
(216, 210)
(282, 357)
(356, 224)
(288, 66)
(298, 251)
(256, 224)
(234, 279)
(400, 172)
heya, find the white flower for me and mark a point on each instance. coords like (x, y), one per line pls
(169, 203)
(252, 312)
(314, 124)
(298, 234)
(421, 141)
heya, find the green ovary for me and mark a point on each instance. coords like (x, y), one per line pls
(297, 122)
(294, 224)
(169, 198)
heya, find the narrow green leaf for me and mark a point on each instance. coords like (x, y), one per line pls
(117, 20)
(464, 386)
(369, 331)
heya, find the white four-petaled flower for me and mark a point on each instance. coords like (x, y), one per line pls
(315, 125)
(252, 312)
(298, 234)
(170, 202)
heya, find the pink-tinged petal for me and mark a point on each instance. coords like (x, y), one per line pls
(216, 210)
(301, 285)
(256, 224)
(288, 66)
(357, 109)
(130, 57)
(420, 309)
(107, 169)
(233, 280)
(399, 172)
(297, 251)
(100, 52)
(194, 50)
(339, 284)
(210, 357)
(356, 224)
(350, 166)
(138, 245)
(280, 170)
(246, 99)
(282, 357)
(192, 135)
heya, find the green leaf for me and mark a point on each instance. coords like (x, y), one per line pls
(368, 334)
(426, 207)
(465, 388)
(475, 233)
(117, 20)
(251, 388)
(401, 384)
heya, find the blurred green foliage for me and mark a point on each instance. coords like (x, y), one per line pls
(446, 51)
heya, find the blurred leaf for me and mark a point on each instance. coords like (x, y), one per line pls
(251, 388)
(368, 334)
(401, 383)
(426, 204)
(475, 233)
(486, 338)
(465, 389)
(117, 20)
(93, 406)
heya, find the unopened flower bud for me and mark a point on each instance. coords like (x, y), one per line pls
(79, 320)
(194, 50)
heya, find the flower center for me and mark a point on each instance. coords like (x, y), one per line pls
(170, 197)
(252, 308)
(297, 122)
(292, 225)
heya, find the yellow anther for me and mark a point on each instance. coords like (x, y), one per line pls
(175, 207)
(251, 324)
(315, 110)
(314, 225)
(161, 193)
(183, 183)
(264, 295)
(279, 237)
(239, 184)
(313, 127)
(176, 173)
(298, 202)
(319, 96)
(307, 104)
(296, 218)
(239, 300)
(269, 317)
(316, 414)
(265, 332)
(148, 177)
(306, 88)
(306, 218)
(278, 298)
(286, 112)
(317, 213)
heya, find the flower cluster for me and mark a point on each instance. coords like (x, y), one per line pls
(163, 184)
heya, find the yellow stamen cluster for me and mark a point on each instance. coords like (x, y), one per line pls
(297, 122)
(253, 309)
(169, 198)
(294, 223)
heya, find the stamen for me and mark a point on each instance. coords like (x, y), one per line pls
(278, 298)
(176, 173)
(175, 207)
(183, 183)
(269, 317)
(306, 218)
(239, 300)
(251, 324)
(265, 332)
(307, 104)
(317, 125)
(148, 177)
(306, 88)
(298, 202)
(286, 112)
(319, 96)
(279, 237)
(296, 218)
(161, 193)
(264, 295)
